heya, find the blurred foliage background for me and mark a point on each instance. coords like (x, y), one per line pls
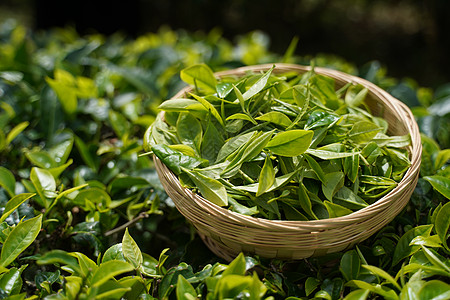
(409, 36)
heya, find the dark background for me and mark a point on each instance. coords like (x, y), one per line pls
(409, 37)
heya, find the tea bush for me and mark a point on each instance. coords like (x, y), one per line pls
(84, 215)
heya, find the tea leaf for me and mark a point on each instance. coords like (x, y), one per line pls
(189, 131)
(211, 189)
(332, 183)
(200, 76)
(276, 118)
(19, 239)
(14, 203)
(363, 131)
(440, 184)
(290, 143)
(258, 86)
(108, 270)
(7, 181)
(266, 177)
(442, 223)
(176, 160)
(131, 251)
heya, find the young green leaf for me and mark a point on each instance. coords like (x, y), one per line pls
(440, 184)
(258, 86)
(350, 265)
(434, 289)
(108, 270)
(184, 289)
(176, 160)
(210, 188)
(363, 131)
(336, 210)
(403, 248)
(19, 239)
(305, 201)
(14, 203)
(189, 130)
(209, 107)
(16, 131)
(200, 76)
(442, 224)
(311, 284)
(275, 117)
(7, 181)
(290, 143)
(266, 177)
(333, 182)
(131, 251)
(211, 143)
(383, 274)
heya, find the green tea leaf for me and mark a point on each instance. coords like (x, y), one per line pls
(383, 274)
(16, 131)
(442, 223)
(361, 294)
(363, 131)
(7, 181)
(383, 291)
(336, 210)
(249, 151)
(434, 259)
(212, 143)
(131, 251)
(355, 95)
(347, 198)
(60, 257)
(210, 188)
(185, 289)
(403, 248)
(275, 117)
(327, 155)
(45, 184)
(14, 203)
(440, 184)
(11, 282)
(189, 130)
(305, 201)
(176, 160)
(311, 284)
(209, 107)
(315, 167)
(241, 116)
(290, 143)
(236, 267)
(113, 253)
(266, 177)
(182, 105)
(350, 265)
(435, 289)
(108, 270)
(19, 239)
(442, 158)
(200, 76)
(258, 86)
(332, 183)
(232, 145)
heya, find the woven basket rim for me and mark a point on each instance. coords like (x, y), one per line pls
(415, 150)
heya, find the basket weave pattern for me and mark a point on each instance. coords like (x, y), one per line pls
(227, 233)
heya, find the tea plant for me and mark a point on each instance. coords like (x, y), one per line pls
(83, 214)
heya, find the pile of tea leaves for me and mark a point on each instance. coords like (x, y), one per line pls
(284, 146)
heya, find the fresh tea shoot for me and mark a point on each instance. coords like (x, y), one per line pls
(283, 146)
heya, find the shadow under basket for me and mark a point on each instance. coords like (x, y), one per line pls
(227, 233)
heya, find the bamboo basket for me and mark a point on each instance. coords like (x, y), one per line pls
(227, 233)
